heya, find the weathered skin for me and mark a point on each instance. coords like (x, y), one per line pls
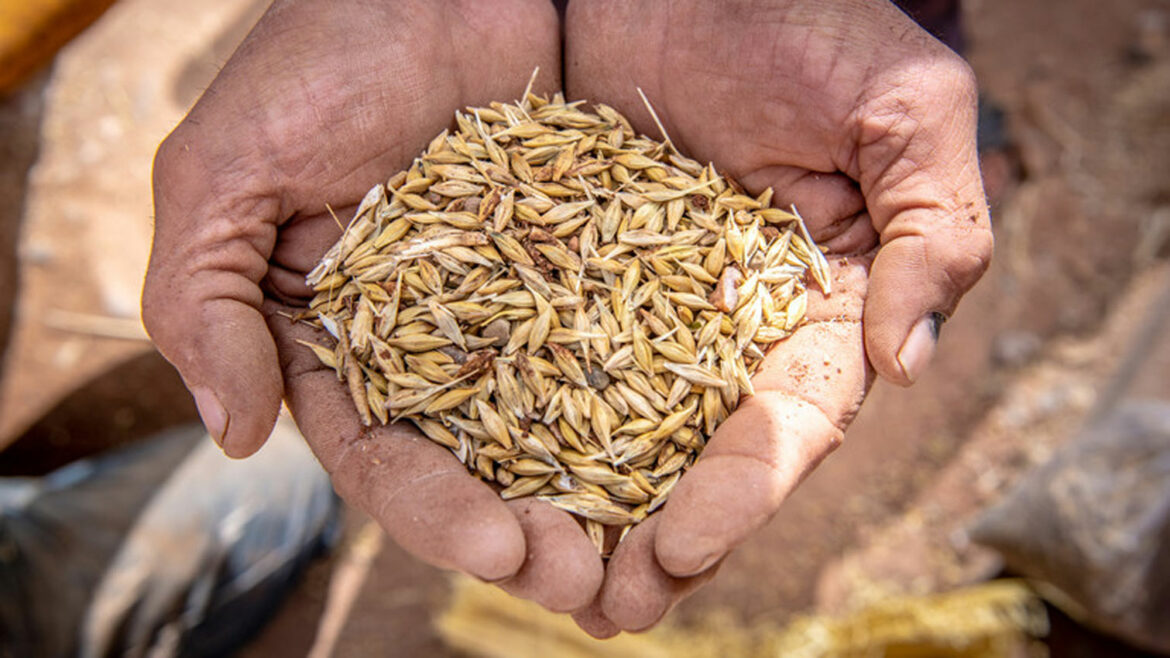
(846, 107)
(855, 114)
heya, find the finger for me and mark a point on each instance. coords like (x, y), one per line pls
(830, 204)
(918, 168)
(300, 245)
(638, 592)
(201, 300)
(287, 286)
(304, 240)
(807, 392)
(417, 490)
(563, 570)
(594, 622)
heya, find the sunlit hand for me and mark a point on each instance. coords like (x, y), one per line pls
(322, 100)
(867, 124)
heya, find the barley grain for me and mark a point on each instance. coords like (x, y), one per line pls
(570, 308)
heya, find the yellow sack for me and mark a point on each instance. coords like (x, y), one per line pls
(992, 620)
(32, 31)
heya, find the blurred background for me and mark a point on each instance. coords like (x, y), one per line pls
(897, 541)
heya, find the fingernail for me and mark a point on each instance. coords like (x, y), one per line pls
(918, 349)
(211, 410)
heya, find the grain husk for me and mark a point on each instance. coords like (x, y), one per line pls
(571, 308)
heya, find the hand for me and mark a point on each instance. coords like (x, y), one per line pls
(867, 124)
(323, 99)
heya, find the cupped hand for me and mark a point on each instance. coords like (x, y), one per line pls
(323, 99)
(867, 124)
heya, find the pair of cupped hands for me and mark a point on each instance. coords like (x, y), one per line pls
(846, 107)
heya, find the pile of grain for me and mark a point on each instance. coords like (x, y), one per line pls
(570, 307)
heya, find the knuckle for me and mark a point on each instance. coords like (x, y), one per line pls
(165, 321)
(154, 304)
(903, 107)
(192, 165)
(890, 123)
(982, 247)
(953, 79)
(150, 302)
(968, 259)
(167, 158)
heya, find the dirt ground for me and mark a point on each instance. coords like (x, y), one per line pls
(1082, 230)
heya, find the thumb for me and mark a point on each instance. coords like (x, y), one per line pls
(212, 239)
(919, 171)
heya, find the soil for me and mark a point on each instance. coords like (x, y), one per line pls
(1081, 224)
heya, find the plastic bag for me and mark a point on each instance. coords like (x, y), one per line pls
(162, 548)
(1093, 525)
